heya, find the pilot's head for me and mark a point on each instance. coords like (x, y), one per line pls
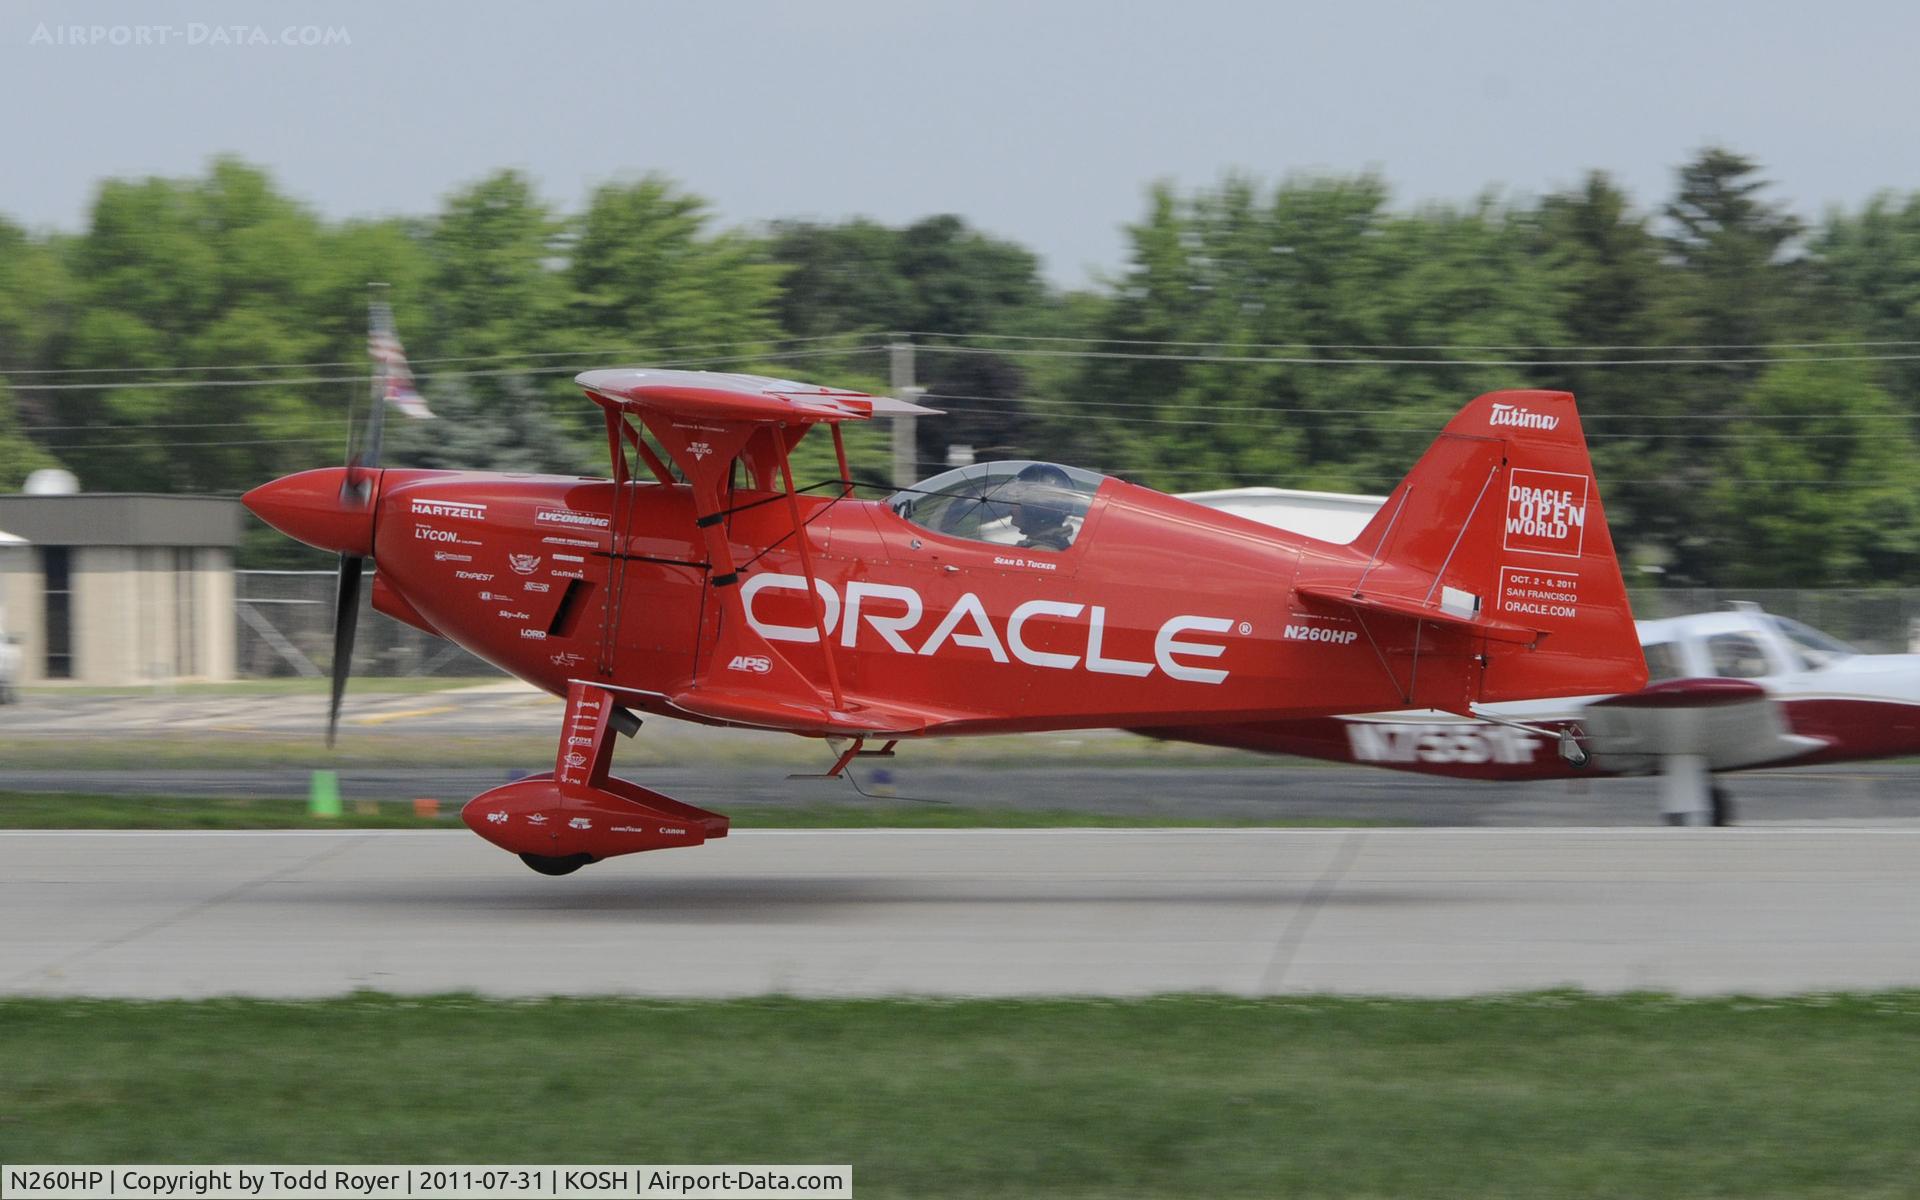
(1039, 494)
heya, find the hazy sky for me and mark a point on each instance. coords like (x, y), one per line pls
(1040, 121)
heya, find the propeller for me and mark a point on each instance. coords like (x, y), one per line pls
(356, 491)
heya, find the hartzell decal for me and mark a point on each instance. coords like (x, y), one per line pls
(449, 508)
(967, 625)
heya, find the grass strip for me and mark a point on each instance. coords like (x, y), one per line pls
(1542, 1095)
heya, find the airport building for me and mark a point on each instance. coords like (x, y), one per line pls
(119, 588)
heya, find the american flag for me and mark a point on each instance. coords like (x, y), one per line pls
(383, 346)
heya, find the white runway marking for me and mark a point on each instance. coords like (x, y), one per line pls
(965, 912)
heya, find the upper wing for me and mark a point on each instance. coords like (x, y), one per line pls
(720, 396)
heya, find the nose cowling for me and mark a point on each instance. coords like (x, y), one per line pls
(317, 507)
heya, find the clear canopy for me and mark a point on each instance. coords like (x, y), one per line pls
(1019, 503)
(1818, 649)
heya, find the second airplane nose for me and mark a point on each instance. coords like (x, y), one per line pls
(313, 507)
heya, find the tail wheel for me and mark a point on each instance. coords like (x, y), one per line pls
(556, 864)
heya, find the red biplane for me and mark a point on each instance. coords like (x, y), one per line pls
(700, 583)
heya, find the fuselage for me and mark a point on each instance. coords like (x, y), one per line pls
(1160, 611)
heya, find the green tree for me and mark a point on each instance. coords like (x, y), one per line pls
(1832, 455)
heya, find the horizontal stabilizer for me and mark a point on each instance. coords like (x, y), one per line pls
(1399, 606)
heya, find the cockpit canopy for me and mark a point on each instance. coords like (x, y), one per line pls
(1019, 503)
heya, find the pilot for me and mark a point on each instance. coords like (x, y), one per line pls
(1040, 509)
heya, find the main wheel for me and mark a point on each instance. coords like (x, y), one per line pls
(1721, 802)
(556, 864)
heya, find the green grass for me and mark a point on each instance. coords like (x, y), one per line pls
(64, 810)
(1547, 1095)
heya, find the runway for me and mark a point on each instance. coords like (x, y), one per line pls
(989, 912)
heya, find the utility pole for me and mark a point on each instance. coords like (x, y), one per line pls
(906, 454)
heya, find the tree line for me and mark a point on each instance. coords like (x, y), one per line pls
(1749, 381)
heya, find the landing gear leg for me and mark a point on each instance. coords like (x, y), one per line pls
(1721, 806)
(1686, 790)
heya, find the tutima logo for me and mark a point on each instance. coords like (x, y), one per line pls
(1521, 418)
(1546, 512)
(450, 508)
(753, 664)
(1313, 633)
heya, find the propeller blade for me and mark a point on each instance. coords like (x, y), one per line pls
(346, 617)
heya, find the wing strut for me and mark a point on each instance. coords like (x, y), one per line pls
(806, 562)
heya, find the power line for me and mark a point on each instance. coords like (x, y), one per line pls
(288, 366)
(1297, 361)
(1093, 409)
(1429, 429)
(1113, 341)
(363, 379)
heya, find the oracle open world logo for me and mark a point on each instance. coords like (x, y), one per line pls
(191, 34)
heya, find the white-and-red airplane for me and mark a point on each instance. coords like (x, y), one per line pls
(1729, 691)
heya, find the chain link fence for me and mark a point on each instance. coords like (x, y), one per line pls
(284, 626)
(285, 623)
(1874, 620)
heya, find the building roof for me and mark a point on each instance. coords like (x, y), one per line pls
(122, 519)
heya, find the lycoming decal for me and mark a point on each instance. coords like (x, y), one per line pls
(1508, 414)
(450, 508)
(1377, 742)
(555, 516)
(967, 624)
